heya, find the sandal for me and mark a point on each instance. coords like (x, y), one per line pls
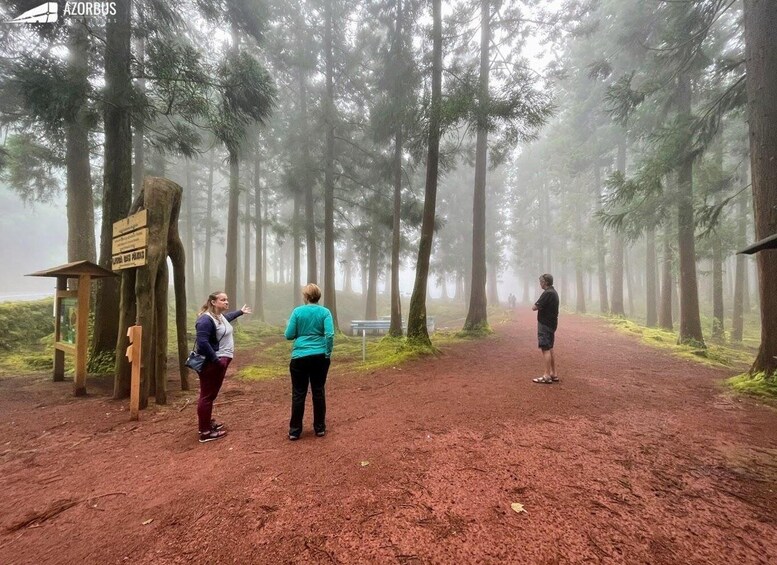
(543, 380)
(211, 435)
(554, 378)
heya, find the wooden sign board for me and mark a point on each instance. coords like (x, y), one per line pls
(130, 241)
(132, 223)
(135, 258)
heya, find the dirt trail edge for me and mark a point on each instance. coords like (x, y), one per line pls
(635, 457)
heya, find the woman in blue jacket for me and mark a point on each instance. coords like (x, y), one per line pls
(312, 329)
(215, 340)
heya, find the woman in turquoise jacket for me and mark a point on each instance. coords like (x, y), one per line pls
(313, 331)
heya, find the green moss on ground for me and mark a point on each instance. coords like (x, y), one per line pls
(756, 385)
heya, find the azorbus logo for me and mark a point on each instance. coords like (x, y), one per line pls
(48, 13)
(44, 14)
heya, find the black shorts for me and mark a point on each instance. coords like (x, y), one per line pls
(545, 337)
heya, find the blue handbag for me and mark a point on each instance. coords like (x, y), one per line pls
(195, 361)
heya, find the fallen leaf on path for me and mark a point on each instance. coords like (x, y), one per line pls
(364, 463)
(147, 522)
(518, 507)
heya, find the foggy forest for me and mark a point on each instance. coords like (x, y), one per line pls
(604, 141)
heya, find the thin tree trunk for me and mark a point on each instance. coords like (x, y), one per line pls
(477, 316)
(650, 278)
(329, 181)
(296, 267)
(233, 207)
(761, 62)
(188, 196)
(259, 272)
(665, 311)
(604, 303)
(738, 319)
(371, 308)
(246, 248)
(206, 262)
(690, 320)
(616, 302)
(416, 322)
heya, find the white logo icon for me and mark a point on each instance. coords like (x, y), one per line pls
(44, 14)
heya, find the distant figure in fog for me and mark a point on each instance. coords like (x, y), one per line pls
(547, 322)
(511, 300)
(312, 329)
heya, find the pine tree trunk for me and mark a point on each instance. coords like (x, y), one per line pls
(188, 196)
(246, 249)
(371, 308)
(117, 171)
(310, 216)
(616, 302)
(601, 267)
(206, 261)
(650, 278)
(259, 272)
(761, 62)
(330, 296)
(233, 207)
(690, 319)
(80, 204)
(138, 136)
(738, 319)
(296, 267)
(416, 320)
(665, 310)
(477, 316)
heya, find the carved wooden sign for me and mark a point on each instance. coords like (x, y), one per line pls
(130, 242)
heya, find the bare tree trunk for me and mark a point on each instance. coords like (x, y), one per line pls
(650, 278)
(738, 319)
(416, 323)
(188, 196)
(230, 279)
(206, 261)
(604, 303)
(616, 303)
(665, 311)
(296, 267)
(117, 171)
(330, 300)
(690, 319)
(80, 205)
(477, 316)
(259, 272)
(761, 60)
(371, 308)
(138, 138)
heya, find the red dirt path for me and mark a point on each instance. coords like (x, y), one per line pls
(636, 457)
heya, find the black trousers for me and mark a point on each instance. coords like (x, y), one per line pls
(310, 370)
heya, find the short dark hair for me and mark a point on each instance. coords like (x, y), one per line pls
(548, 278)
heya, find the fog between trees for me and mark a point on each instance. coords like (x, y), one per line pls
(621, 145)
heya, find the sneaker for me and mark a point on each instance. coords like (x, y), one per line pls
(216, 426)
(293, 437)
(211, 435)
(321, 433)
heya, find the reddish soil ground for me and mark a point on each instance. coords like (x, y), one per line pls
(636, 457)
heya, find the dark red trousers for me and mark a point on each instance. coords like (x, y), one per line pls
(211, 379)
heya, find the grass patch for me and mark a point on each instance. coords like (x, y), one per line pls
(755, 385)
(715, 354)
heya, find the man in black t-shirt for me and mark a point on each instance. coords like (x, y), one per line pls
(547, 322)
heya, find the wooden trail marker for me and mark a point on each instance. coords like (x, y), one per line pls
(135, 335)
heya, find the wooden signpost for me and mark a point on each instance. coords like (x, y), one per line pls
(130, 242)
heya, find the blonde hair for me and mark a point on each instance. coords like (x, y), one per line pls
(208, 306)
(311, 293)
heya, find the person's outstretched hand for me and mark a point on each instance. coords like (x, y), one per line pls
(246, 309)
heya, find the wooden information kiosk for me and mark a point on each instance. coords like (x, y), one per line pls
(71, 317)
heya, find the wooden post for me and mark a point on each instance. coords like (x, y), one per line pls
(82, 335)
(135, 335)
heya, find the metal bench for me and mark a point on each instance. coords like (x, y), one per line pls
(381, 325)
